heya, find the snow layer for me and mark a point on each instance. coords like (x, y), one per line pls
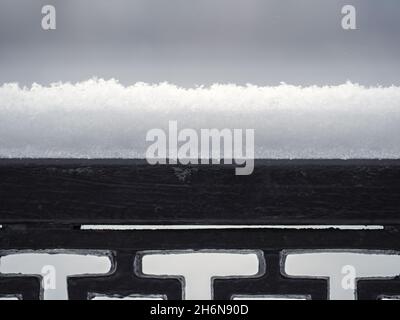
(105, 119)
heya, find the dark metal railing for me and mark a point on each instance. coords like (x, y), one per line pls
(44, 203)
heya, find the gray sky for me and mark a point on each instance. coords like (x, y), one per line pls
(189, 42)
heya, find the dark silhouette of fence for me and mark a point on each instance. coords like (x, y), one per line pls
(43, 203)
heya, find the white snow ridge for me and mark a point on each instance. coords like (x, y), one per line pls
(105, 119)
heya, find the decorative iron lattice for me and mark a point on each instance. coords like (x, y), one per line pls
(44, 203)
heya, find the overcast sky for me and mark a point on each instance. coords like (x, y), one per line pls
(189, 42)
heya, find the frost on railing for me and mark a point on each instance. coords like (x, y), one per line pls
(105, 119)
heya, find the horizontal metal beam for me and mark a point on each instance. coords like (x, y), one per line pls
(298, 192)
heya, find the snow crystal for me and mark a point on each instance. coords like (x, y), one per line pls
(105, 119)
